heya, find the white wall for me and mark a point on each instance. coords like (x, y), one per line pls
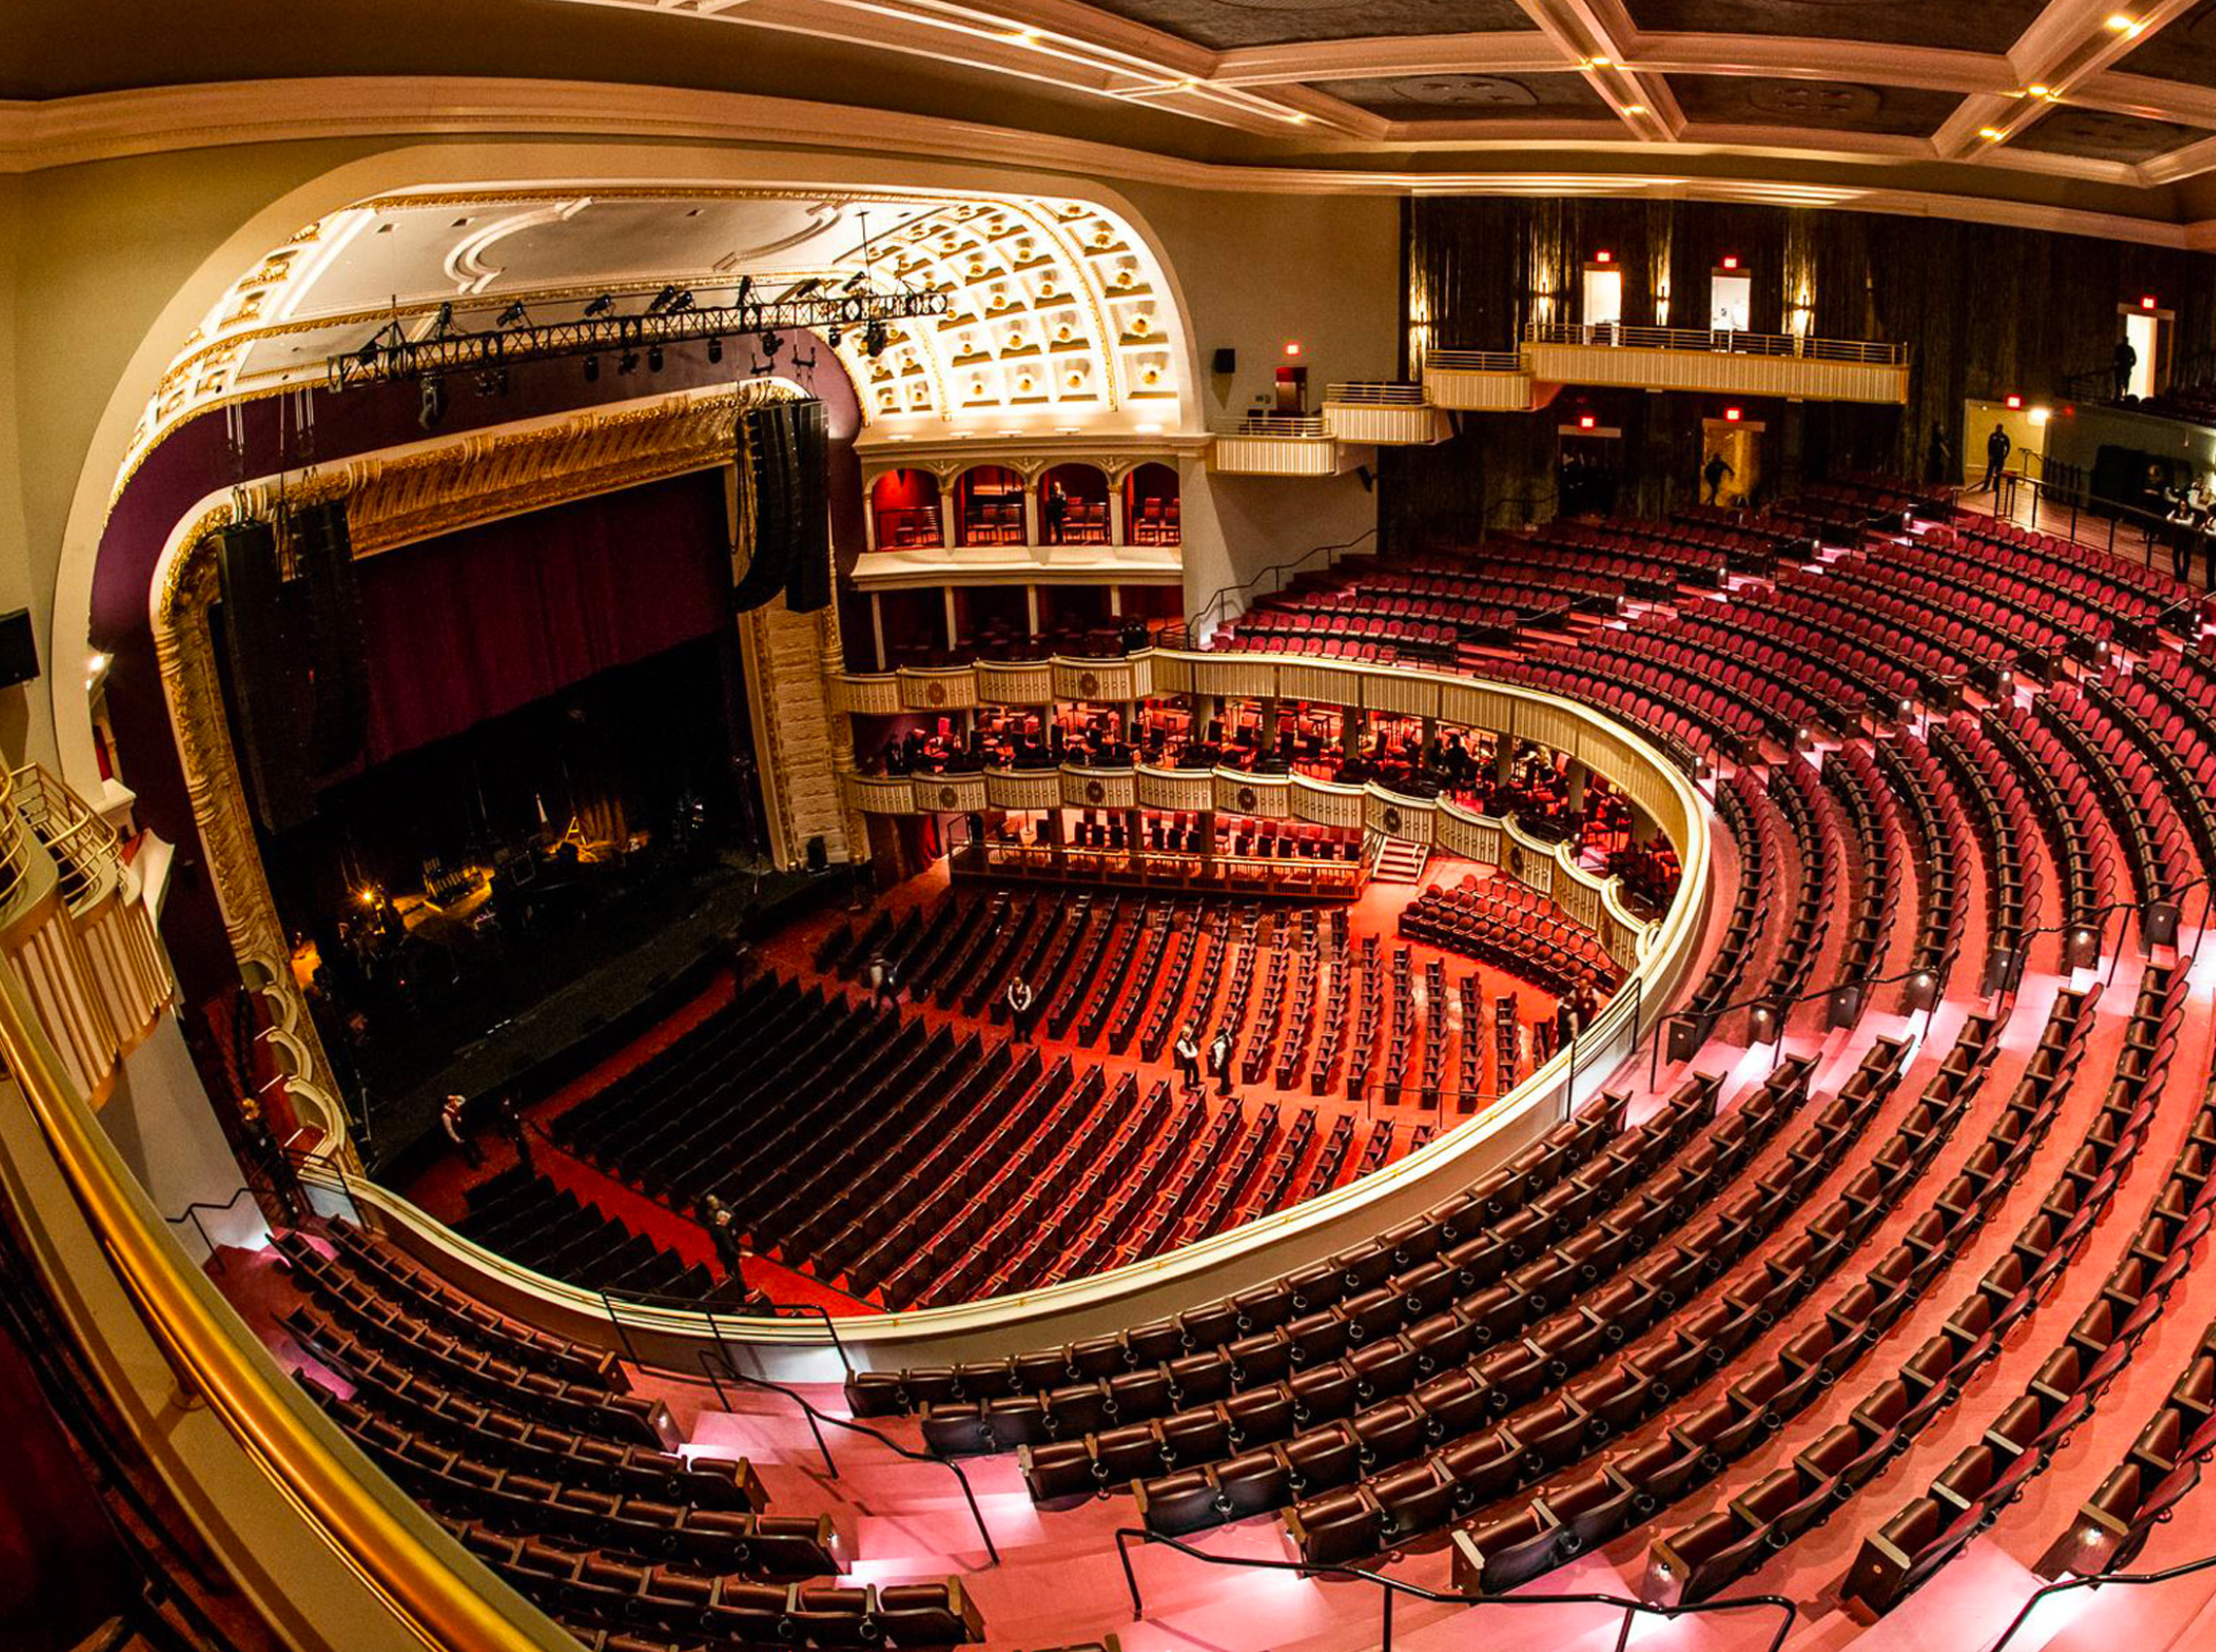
(1258, 271)
(162, 1122)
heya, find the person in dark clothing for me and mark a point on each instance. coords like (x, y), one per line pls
(1188, 1052)
(1939, 459)
(456, 1131)
(884, 986)
(1019, 998)
(263, 1153)
(1055, 510)
(1997, 446)
(722, 1224)
(1712, 474)
(514, 1131)
(1220, 1060)
(2127, 362)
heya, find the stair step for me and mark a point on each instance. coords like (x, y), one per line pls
(1402, 863)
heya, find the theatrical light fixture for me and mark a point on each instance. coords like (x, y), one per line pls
(857, 282)
(514, 314)
(628, 362)
(799, 290)
(592, 369)
(653, 358)
(672, 317)
(715, 349)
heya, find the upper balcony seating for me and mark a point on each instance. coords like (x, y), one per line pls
(529, 1220)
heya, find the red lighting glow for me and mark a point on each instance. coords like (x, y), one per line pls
(1732, 414)
(2015, 401)
(1731, 261)
(1603, 256)
(1293, 347)
(1585, 420)
(2148, 302)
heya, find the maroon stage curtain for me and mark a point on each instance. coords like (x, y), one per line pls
(466, 627)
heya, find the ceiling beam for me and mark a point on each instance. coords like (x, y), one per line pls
(2067, 44)
(1593, 36)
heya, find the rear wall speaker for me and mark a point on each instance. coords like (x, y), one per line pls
(819, 854)
(1227, 361)
(19, 648)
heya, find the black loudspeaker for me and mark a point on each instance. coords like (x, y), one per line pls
(1227, 361)
(808, 567)
(767, 451)
(339, 659)
(270, 714)
(19, 648)
(819, 854)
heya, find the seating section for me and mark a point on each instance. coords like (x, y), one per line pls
(1506, 922)
(529, 1220)
(537, 1455)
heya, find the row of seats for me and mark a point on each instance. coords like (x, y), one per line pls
(530, 1220)
(1506, 923)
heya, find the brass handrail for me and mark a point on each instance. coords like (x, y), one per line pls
(87, 860)
(212, 1360)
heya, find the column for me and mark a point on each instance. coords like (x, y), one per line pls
(1030, 512)
(947, 516)
(1116, 513)
(948, 592)
(1031, 608)
(1504, 759)
(1269, 724)
(1431, 741)
(1350, 732)
(1574, 779)
(869, 521)
(877, 628)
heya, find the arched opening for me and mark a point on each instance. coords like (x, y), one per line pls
(1073, 505)
(988, 507)
(904, 511)
(1149, 506)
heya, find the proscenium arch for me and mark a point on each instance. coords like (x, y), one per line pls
(409, 164)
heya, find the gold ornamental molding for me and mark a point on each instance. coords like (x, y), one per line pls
(393, 498)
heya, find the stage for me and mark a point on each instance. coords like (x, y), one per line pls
(563, 1001)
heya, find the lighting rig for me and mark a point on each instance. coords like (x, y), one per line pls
(672, 317)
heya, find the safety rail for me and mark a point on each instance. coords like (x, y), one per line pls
(1617, 335)
(2098, 1580)
(82, 844)
(1167, 869)
(1279, 427)
(1379, 395)
(1216, 609)
(1389, 1588)
(1473, 360)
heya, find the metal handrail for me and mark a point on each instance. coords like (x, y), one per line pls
(1281, 427)
(2122, 1579)
(1277, 571)
(1390, 1587)
(1473, 360)
(83, 846)
(1379, 395)
(722, 1353)
(1704, 342)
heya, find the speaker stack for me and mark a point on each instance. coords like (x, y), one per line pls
(339, 659)
(786, 447)
(266, 708)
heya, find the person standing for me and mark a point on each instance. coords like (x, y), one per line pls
(1057, 509)
(515, 1132)
(1712, 474)
(451, 1121)
(722, 1224)
(885, 982)
(1997, 446)
(1220, 1060)
(2127, 362)
(1188, 1052)
(1019, 997)
(263, 1153)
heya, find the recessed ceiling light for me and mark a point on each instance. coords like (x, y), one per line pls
(1988, 132)
(1635, 109)
(1601, 62)
(2122, 25)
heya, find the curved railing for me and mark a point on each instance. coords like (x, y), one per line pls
(1666, 952)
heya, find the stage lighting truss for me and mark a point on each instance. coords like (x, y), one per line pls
(389, 355)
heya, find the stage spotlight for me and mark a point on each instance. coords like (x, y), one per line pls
(653, 358)
(514, 314)
(367, 353)
(592, 369)
(599, 306)
(771, 342)
(443, 320)
(857, 282)
(628, 362)
(662, 301)
(430, 404)
(875, 337)
(745, 291)
(715, 349)
(834, 335)
(682, 303)
(799, 290)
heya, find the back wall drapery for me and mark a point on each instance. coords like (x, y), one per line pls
(467, 627)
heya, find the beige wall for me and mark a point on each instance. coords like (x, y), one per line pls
(105, 267)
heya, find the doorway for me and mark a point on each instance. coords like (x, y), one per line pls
(1738, 443)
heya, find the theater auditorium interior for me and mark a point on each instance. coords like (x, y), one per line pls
(1060, 825)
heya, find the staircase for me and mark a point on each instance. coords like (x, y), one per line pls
(1400, 862)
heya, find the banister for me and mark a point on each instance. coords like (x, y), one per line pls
(2098, 1580)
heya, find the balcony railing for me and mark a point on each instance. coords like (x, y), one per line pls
(1378, 395)
(1280, 427)
(1713, 342)
(87, 864)
(1474, 361)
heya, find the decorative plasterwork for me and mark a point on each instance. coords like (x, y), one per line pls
(1059, 317)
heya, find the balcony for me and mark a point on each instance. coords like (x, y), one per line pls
(1478, 381)
(1732, 363)
(1385, 414)
(1268, 444)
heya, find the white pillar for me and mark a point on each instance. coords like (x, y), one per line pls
(1030, 514)
(869, 519)
(1115, 513)
(877, 627)
(948, 592)
(1032, 607)
(945, 517)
